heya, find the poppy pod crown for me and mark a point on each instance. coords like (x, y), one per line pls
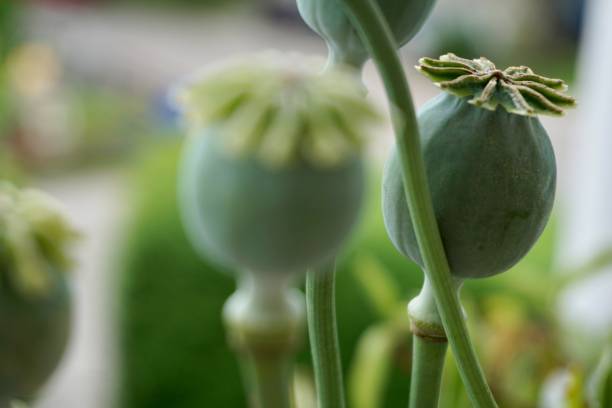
(517, 89)
(34, 238)
(281, 109)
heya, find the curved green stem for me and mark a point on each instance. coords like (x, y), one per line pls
(427, 366)
(321, 312)
(369, 21)
(321, 309)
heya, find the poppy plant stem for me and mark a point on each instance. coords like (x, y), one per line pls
(323, 332)
(427, 365)
(369, 21)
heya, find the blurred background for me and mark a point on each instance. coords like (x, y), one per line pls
(84, 115)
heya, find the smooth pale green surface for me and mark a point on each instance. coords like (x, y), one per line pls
(327, 18)
(270, 376)
(427, 367)
(492, 178)
(250, 217)
(33, 337)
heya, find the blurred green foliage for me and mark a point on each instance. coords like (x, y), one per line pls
(9, 26)
(99, 122)
(470, 41)
(108, 124)
(600, 383)
(172, 340)
(103, 128)
(511, 322)
(9, 37)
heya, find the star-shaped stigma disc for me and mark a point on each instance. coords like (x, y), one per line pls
(517, 89)
(281, 108)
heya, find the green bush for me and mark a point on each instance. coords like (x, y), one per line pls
(172, 339)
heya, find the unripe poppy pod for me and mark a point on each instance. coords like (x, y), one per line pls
(272, 177)
(490, 164)
(34, 295)
(328, 19)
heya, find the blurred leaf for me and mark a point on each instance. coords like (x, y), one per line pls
(9, 26)
(454, 394)
(600, 383)
(371, 365)
(594, 265)
(378, 286)
(303, 388)
(574, 395)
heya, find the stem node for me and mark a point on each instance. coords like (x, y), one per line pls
(264, 320)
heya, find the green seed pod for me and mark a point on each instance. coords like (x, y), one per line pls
(251, 217)
(34, 295)
(272, 180)
(491, 168)
(34, 337)
(328, 19)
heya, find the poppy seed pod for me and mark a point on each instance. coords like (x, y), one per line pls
(490, 164)
(328, 19)
(272, 179)
(34, 298)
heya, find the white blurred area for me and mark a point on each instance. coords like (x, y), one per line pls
(585, 307)
(87, 375)
(145, 51)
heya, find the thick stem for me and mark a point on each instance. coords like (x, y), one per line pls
(321, 307)
(370, 23)
(429, 348)
(270, 378)
(264, 318)
(321, 312)
(427, 365)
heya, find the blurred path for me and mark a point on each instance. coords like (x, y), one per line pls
(85, 379)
